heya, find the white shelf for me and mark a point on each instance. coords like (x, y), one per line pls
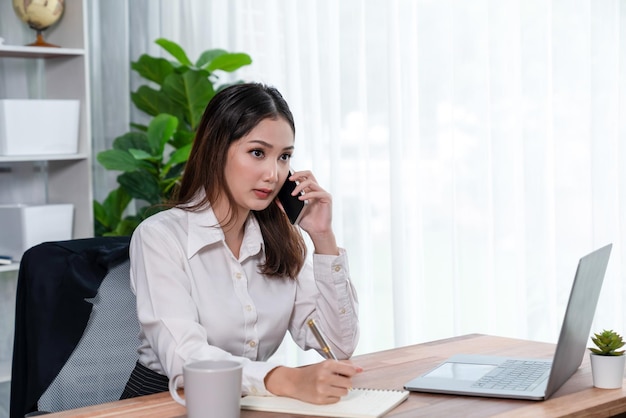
(33, 72)
(9, 267)
(42, 157)
(14, 51)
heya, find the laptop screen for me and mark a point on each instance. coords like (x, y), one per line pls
(579, 315)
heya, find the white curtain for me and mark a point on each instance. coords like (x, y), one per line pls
(473, 149)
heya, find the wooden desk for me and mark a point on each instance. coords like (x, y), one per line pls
(392, 368)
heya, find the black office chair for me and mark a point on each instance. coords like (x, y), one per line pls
(76, 329)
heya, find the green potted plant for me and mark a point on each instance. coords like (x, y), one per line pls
(151, 158)
(607, 360)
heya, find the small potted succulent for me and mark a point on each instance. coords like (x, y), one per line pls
(607, 360)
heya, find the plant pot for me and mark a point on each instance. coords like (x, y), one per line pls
(607, 371)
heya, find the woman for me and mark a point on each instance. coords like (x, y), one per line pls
(223, 274)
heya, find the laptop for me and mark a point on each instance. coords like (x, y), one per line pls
(527, 378)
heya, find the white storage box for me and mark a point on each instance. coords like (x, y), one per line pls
(34, 127)
(24, 226)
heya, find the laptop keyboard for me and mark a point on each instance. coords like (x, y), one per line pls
(515, 375)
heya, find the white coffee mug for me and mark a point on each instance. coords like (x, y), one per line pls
(212, 388)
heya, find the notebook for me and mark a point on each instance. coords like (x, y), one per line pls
(478, 375)
(358, 403)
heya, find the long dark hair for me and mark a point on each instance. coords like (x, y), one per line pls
(230, 115)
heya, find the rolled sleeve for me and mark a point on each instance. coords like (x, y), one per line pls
(326, 294)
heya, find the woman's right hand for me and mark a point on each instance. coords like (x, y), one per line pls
(320, 383)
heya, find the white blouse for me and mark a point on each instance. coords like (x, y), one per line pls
(196, 301)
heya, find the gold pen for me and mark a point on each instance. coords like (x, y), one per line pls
(320, 338)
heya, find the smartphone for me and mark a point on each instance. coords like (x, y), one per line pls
(293, 206)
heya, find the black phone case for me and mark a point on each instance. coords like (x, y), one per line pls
(292, 205)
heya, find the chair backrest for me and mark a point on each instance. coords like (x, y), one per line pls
(76, 327)
(99, 367)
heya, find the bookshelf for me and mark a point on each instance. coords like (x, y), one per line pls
(44, 73)
(49, 73)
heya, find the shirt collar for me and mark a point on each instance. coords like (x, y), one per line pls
(203, 229)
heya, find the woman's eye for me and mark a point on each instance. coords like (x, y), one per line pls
(257, 153)
(285, 157)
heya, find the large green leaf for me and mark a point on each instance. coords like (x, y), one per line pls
(141, 185)
(160, 130)
(139, 127)
(99, 212)
(140, 154)
(155, 102)
(132, 140)
(153, 69)
(109, 213)
(182, 138)
(190, 92)
(114, 159)
(209, 55)
(179, 156)
(229, 62)
(116, 203)
(99, 230)
(175, 50)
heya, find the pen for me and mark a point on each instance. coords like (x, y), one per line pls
(320, 338)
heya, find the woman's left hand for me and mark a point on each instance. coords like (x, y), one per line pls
(317, 217)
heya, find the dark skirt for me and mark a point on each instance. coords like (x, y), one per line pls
(143, 381)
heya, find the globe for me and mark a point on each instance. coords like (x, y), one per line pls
(39, 15)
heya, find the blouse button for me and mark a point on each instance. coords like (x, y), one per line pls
(252, 344)
(248, 308)
(342, 311)
(238, 275)
(337, 268)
